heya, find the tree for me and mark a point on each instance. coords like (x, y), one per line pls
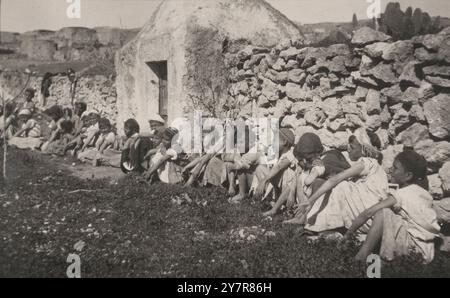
(355, 21)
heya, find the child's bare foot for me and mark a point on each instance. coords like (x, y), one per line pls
(269, 213)
(231, 191)
(237, 199)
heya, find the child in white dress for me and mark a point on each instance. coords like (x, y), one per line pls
(405, 222)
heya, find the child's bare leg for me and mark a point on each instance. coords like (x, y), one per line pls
(231, 180)
(278, 204)
(242, 177)
(373, 237)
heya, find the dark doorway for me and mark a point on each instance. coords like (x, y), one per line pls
(160, 69)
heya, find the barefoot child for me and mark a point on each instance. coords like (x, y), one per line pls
(348, 193)
(405, 222)
(105, 139)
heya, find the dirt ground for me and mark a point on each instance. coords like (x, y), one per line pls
(120, 227)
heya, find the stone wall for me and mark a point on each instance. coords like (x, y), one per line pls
(99, 92)
(399, 90)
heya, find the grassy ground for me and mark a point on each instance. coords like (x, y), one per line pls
(131, 229)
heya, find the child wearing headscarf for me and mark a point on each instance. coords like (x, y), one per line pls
(29, 135)
(340, 199)
(405, 221)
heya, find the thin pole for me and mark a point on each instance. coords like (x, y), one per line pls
(5, 151)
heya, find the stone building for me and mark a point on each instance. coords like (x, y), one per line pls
(158, 71)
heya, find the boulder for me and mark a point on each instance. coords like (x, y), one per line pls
(361, 93)
(413, 134)
(373, 122)
(438, 81)
(295, 92)
(263, 102)
(399, 51)
(410, 96)
(385, 116)
(429, 41)
(315, 117)
(270, 90)
(291, 64)
(337, 140)
(383, 135)
(442, 208)
(437, 70)
(444, 174)
(358, 78)
(436, 153)
(282, 108)
(416, 112)
(366, 35)
(353, 121)
(297, 76)
(338, 125)
(437, 113)
(400, 121)
(277, 77)
(435, 186)
(384, 73)
(332, 108)
(389, 155)
(423, 55)
(290, 53)
(409, 74)
(444, 50)
(393, 94)
(279, 65)
(426, 91)
(373, 102)
(376, 50)
(291, 121)
(339, 49)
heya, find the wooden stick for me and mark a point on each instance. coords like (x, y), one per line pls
(84, 190)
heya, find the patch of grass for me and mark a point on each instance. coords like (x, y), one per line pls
(136, 230)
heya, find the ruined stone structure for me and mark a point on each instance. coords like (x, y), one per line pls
(399, 90)
(177, 60)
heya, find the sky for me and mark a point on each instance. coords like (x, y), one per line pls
(26, 15)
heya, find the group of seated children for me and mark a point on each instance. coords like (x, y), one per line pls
(326, 191)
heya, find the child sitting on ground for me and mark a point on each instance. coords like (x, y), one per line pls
(29, 136)
(340, 199)
(8, 128)
(163, 163)
(313, 165)
(103, 139)
(405, 222)
(87, 134)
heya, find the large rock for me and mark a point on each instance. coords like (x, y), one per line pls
(444, 174)
(436, 70)
(444, 50)
(438, 81)
(435, 186)
(442, 208)
(332, 108)
(411, 96)
(301, 107)
(383, 135)
(295, 92)
(400, 50)
(413, 134)
(429, 41)
(290, 53)
(385, 115)
(366, 35)
(416, 112)
(423, 55)
(277, 77)
(315, 117)
(384, 73)
(376, 50)
(389, 155)
(291, 121)
(361, 93)
(400, 121)
(297, 76)
(358, 78)
(373, 102)
(393, 94)
(373, 122)
(436, 153)
(270, 90)
(337, 140)
(409, 74)
(437, 112)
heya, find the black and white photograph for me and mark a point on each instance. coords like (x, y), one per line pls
(225, 144)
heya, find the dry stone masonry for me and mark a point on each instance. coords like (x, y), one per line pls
(399, 90)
